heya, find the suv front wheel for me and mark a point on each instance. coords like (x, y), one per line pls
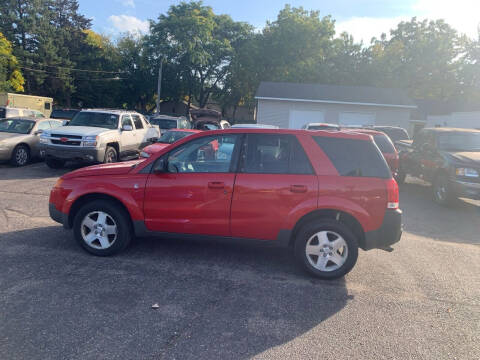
(326, 249)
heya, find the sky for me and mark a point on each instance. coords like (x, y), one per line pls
(363, 19)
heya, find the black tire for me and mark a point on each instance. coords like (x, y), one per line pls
(111, 155)
(442, 190)
(53, 163)
(121, 219)
(333, 226)
(20, 156)
(400, 177)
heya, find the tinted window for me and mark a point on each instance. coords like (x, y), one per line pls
(47, 106)
(170, 137)
(95, 119)
(211, 154)
(384, 144)
(2, 112)
(164, 123)
(63, 114)
(354, 157)
(137, 121)
(274, 154)
(17, 126)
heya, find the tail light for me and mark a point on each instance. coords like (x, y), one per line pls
(392, 194)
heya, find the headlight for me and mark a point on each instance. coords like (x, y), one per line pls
(90, 141)
(144, 154)
(43, 139)
(467, 172)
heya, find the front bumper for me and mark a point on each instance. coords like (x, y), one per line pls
(76, 153)
(387, 234)
(466, 189)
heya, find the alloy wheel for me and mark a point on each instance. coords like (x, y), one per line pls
(326, 251)
(99, 230)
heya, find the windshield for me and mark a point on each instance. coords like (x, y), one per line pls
(322, 127)
(459, 142)
(16, 126)
(164, 123)
(396, 134)
(94, 119)
(172, 136)
(384, 144)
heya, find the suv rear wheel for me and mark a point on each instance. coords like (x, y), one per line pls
(327, 249)
(102, 228)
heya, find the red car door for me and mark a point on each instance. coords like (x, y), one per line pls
(275, 182)
(193, 194)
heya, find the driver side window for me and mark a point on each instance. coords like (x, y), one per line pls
(211, 154)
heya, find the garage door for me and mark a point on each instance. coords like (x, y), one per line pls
(356, 119)
(298, 118)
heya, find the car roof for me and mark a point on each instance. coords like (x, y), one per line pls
(30, 118)
(367, 131)
(450, 129)
(322, 124)
(110, 111)
(254, 126)
(318, 133)
(185, 130)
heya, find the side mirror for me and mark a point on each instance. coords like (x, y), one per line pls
(160, 166)
(38, 132)
(127, 128)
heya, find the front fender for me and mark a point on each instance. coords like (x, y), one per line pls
(122, 194)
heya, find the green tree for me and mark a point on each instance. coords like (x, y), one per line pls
(11, 78)
(197, 45)
(297, 46)
(420, 56)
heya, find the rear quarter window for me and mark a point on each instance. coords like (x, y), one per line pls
(352, 157)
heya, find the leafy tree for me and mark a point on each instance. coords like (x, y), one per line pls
(11, 78)
(198, 45)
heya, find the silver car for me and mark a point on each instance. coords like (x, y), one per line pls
(19, 138)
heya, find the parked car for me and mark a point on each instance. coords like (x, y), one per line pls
(254, 126)
(64, 114)
(9, 112)
(167, 138)
(166, 122)
(448, 158)
(95, 136)
(321, 126)
(395, 133)
(19, 138)
(323, 194)
(385, 145)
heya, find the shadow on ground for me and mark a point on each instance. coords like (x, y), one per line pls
(215, 300)
(460, 221)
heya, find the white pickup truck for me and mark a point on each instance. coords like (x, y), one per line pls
(98, 136)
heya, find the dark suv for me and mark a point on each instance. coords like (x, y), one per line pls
(323, 194)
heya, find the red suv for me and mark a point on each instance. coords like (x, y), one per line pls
(324, 194)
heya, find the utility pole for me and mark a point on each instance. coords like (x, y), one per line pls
(159, 84)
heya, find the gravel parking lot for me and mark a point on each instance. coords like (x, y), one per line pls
(231, 301)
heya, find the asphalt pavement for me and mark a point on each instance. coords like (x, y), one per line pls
(232, 301)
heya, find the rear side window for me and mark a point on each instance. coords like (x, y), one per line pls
(353, 157)
(274, 154)
(384, 144)
(137, 121)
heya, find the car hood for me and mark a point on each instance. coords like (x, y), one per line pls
(469, 158)
(80, 130)
(155, 148)
(11, 138)
(104, 169)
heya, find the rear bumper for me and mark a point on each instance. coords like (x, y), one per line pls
(467, 189)
(73, 153)
(387, 234)
(57, 215)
